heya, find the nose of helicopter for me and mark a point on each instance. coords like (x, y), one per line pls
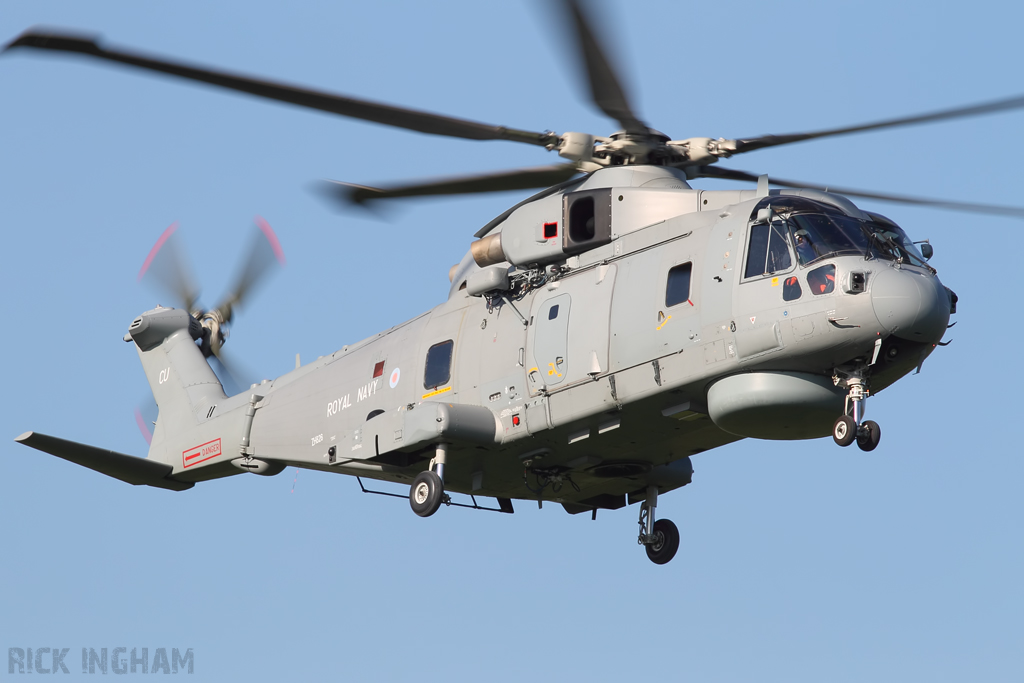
(911, 305)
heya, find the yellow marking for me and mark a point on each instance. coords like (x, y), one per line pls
(435, 392)
(664, 323)
(533, 369)
(553, 370)
(775, 282)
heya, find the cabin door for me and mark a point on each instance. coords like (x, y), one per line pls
(568, 338)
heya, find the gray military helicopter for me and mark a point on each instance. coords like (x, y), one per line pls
(595, 336)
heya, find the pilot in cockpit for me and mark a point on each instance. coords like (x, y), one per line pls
(805, 250)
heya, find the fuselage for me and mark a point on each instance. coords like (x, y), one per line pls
(703, 317)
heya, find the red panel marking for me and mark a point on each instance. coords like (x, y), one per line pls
(156, 248)
(268, 232)
(515, 420)
(550, 230)
(201, 453)
(378, 369)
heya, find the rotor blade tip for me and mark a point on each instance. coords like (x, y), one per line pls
(156, 249)
(146, 434)
(271, 236)
(45, 37)
(25, 38)
(343, 194)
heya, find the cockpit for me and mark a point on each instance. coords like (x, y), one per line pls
(816, 231)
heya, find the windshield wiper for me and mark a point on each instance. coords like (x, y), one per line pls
(887, 246)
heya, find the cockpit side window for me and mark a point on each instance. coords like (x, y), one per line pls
(822, 280)
(791, 289)
(757, 253)
(768, 252)
(889, 241)
(438, 369)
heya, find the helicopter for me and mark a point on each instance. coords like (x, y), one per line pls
(618, 303)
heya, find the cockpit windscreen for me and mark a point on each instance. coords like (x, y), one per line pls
(817, 231)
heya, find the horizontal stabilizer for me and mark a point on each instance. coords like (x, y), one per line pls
(127, 468)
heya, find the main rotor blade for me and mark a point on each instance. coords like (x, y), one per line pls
(399, 117)
(169, 270)
(968, 207)
(605, 88)
(264, 251)
(751, 144)
(521, 179)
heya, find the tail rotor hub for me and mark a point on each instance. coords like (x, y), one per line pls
(166, 267)
(215, 332)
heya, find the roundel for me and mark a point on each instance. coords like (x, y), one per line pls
(395, 375)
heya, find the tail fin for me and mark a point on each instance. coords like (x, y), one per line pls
(184, 385)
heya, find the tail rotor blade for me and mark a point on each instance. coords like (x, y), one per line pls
(166, 267)
(140, 422)
(264, 252)
(232, 377)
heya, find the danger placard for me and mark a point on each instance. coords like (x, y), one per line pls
(201, 453)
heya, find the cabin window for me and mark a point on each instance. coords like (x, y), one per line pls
(822, 280)
(677, 290)
(768, 252)
(553, 312)
(438, 369)
(374, 413)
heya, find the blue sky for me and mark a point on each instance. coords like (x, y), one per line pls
(799, 561)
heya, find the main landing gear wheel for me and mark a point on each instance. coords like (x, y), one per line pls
(844, 432)
(869, 435)
(426, 493)
(665, 544)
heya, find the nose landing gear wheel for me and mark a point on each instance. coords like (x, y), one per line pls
(666, 542)
(869, 436)
(426, 493)
(844, 432)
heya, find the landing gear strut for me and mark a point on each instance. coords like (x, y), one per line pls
(660, 538)
(851, 426)
(427, 491)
